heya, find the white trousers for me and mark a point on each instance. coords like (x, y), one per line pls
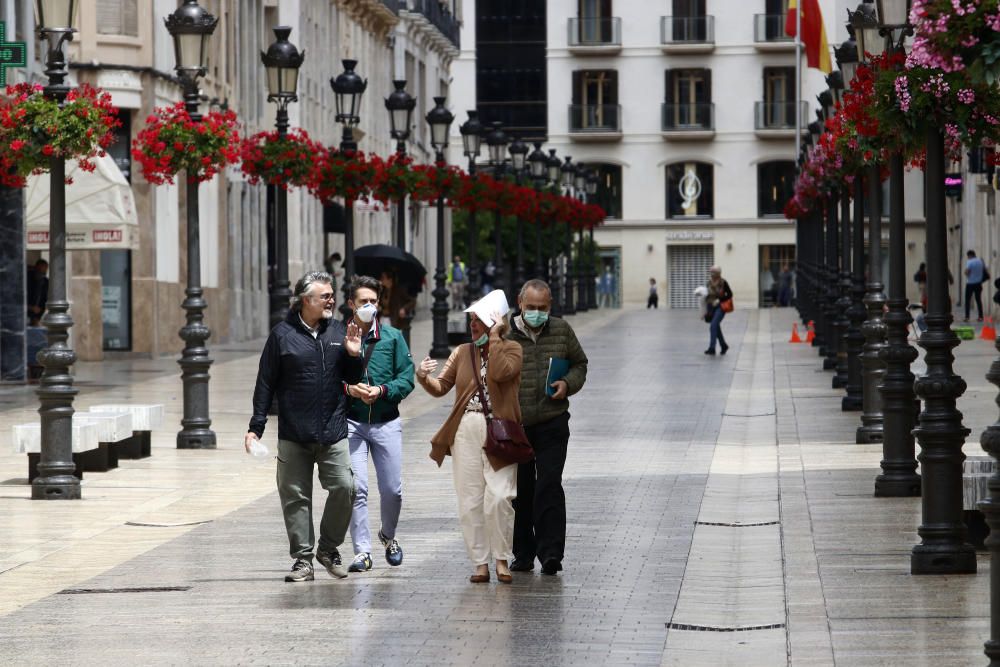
(484, 494)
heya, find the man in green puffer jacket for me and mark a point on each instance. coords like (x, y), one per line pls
(373, 423)
(540, 507)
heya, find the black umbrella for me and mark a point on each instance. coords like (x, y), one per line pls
(373, 260)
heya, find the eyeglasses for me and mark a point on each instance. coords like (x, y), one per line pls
(329, 296)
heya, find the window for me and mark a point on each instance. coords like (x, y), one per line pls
(118, 17)
(609, 189)
(690, 191)
(775, 186)
(120, 150)
(779, 97)
(688, 98)
(774, 20)
(595, 100)
(688, 22)
(596, 24)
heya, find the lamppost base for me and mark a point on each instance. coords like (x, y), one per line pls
(838, 382)
(943, 559)
(61, 487)
(829, 364)
(897, 486)
(196, 438)
(851, 404)
(439, 352)
(869, 435)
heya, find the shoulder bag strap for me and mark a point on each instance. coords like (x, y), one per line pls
(479, 382)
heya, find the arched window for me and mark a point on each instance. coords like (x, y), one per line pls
(690, 190)
(775, 186)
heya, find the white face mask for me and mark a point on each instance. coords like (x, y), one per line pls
(366, 313)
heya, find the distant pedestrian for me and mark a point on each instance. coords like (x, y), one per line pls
(606, 289)
(785, 287)
(976, 274)
(540, 508)
(718, 294)
(654, 299)
(396, 304)
(374, 426)
(305, 360)
(37, 288)
(457, 280)
(920, 277)
(334, 266)
(485, 486)
(489, 272)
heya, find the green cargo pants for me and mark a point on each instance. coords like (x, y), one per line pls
(295, 485)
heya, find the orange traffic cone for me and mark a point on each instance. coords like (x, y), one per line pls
(795, 334)
(988, 332)
(811, 335)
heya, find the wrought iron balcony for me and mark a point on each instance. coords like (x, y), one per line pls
(691, 34)
(437, 15)
(779, 116)
(769, 32)
(687, 118)
(595, 35)
(602, 120)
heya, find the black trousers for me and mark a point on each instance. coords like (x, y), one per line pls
(973, 289)
(540, 506)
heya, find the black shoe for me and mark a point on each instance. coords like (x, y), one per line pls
(724, 348)
(393, 552)
(331, 561)
(710, 351)
(519, 565)
(302, 570)
(551, 566)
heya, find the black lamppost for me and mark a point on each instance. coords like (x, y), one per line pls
(348, 89)
(497, 142)
(869, 41)
(191, 26)
(537, 165)
(440, 119)
(853, 400)
(817, 273)
(281, 62)
(832, 265)
(591, 268)
(553, 167)
(842, 272)
(400, 105)
(567, 174)
(582, 273)
(899, 467)
(518, 160)
(55, 480)
(472, 137)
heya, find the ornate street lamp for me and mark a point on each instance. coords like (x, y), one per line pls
(842, 279)
(55, 480)
(592, 180)
(348, 89)
(519, 159)
(440, 119)
(472, 138)
(537, 169)
(580, 188)
(496, 143)
(191, 26)
(553, 166)
(567, 175)
(281, 63)
(870, 40)
(400, 105)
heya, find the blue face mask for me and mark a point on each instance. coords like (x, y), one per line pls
(535, 318)
(482, 340)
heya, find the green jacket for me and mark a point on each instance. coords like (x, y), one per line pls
(389, 367)
(556, 339)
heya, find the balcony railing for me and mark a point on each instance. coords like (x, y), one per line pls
(591, 32)
(770, 29)
(595, 118)
(778, 115)
(698, 117)
(392, 5)
(687, 30)
(438, 16)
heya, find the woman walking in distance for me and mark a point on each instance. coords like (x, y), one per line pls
(719, 294)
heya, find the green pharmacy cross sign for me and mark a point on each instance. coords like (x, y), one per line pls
(12, 54)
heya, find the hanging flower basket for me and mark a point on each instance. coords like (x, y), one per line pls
(34, 128)
(394, 178)
(348, 175)
(286, 162)
(171, 142)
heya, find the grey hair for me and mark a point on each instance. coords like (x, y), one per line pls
(303, 285)
(536, 284)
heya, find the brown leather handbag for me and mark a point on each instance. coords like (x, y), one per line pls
(505, 438)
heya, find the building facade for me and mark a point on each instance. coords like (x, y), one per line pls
(127, 301)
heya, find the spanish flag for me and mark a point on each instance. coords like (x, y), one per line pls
(813, 33)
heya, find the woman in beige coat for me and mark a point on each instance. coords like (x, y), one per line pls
(485, 487)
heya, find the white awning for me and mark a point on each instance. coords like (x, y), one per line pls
(100, 209)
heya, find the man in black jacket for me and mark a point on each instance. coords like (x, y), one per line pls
(305, 360)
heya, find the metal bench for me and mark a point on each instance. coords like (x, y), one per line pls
(145, 418)
(27, 439)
